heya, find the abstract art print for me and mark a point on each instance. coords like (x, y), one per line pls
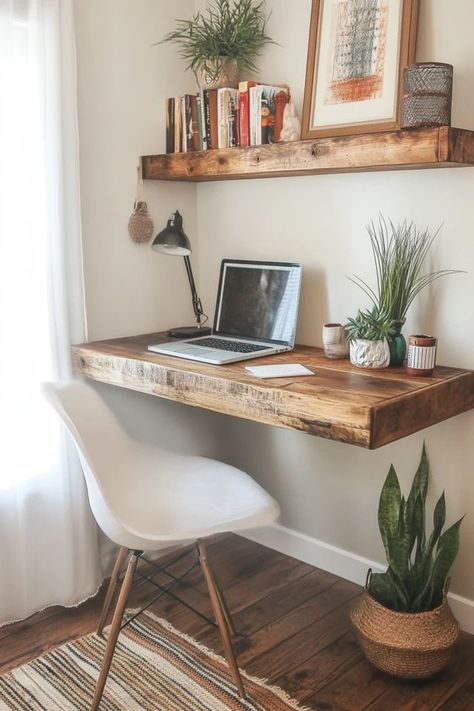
(356, 55)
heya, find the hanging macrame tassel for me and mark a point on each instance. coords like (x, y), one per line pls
(140, 224)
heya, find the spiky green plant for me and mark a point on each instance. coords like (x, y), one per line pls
(372, 325)
(418, 566)
(399, 254)
(234, 29)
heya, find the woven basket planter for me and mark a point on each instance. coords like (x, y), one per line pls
(404, 644)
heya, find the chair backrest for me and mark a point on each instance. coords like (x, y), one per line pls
(104, 447)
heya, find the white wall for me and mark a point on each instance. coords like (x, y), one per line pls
(122, 83)
(330, 490)
(326, 489)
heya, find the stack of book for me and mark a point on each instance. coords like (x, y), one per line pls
(225, 118)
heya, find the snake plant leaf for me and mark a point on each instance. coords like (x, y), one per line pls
(446, 552)
(384, 588)
(389, 510)
(439, 517)
(416, 503)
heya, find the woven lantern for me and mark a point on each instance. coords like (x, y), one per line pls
(140, 224)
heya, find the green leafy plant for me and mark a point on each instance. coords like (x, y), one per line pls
(372, 325)
(418, 566)
(399, 254)
(227, 29)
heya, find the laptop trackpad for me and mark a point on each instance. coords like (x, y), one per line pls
(196, 350)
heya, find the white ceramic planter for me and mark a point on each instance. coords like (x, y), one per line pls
(369, 354)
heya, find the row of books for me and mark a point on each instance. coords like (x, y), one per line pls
(225, 118)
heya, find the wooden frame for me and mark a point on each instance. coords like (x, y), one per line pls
(406, 55)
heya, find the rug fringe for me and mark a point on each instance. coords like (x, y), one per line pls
(281, 693)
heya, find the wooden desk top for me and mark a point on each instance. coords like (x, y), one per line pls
(340, 402)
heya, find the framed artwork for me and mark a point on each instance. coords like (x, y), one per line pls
(356, 55)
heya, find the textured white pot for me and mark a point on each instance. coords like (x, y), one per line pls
(369, 354)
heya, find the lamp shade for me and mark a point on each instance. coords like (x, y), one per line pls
(173, 239)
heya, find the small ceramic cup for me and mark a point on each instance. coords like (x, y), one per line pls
(334, 341)
(421, 355)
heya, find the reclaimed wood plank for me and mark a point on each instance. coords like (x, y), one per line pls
(388, 150)
(339, 402)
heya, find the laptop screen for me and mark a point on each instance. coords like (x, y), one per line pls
(258, 300)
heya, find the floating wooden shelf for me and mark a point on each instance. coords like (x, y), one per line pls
(392, 150)
(339, 401)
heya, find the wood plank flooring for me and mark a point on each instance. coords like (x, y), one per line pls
(293, 629)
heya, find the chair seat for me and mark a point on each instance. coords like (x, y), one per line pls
(168, 497)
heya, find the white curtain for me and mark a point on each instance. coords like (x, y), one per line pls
(49, 551)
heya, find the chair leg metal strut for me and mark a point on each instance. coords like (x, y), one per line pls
(221, 613)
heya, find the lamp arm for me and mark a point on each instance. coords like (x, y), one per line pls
(197, 305)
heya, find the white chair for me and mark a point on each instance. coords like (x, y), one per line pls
(145, 498)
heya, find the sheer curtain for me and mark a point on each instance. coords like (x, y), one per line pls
(49, 552)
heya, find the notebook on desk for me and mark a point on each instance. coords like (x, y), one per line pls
(256, 314)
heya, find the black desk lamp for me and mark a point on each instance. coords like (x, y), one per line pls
(174, 241)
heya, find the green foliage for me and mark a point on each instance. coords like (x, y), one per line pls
(373, 325)
(233, 29)
(399, 254)
(418, 566)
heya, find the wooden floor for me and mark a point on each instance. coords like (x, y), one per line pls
(293, 625)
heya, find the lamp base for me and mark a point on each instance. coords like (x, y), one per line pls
(189, 332)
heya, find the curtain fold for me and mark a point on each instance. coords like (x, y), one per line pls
(49, 546)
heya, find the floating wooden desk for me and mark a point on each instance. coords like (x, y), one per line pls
(339, 402)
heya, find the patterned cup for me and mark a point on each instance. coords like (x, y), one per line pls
(334, 341)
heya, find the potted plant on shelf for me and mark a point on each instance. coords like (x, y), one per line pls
(399, 253)
(402, 619)
(222, 41)
(368, 335)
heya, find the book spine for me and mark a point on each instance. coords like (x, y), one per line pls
(222, 113)
(177, 124)
(244, 118)
(207, 120)
(243, 112)
(232, 133)
(199, 122)
(194, 123)
(170, 125)
(188, 132)
(214, 130)
(183, 124)
(255, 116)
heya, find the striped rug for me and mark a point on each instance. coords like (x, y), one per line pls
(155, 667)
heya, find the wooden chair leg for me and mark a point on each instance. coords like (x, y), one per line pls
(223, 604)
(115, 628)
(216, 602)
(119, 561)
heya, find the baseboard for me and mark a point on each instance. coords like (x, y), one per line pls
(341, 562)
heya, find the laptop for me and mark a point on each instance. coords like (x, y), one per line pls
(256, 314)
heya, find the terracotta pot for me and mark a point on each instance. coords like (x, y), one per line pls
(228, 74)
(405, 644)
(369, 354)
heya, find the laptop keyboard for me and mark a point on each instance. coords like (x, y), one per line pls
(223, 345)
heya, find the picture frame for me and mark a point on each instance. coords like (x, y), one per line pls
(357, 51)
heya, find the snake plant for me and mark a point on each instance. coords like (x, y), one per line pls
(418, 565)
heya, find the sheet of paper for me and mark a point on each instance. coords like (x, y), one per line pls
(278, 371)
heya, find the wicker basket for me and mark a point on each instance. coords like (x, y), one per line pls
(404, 644)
